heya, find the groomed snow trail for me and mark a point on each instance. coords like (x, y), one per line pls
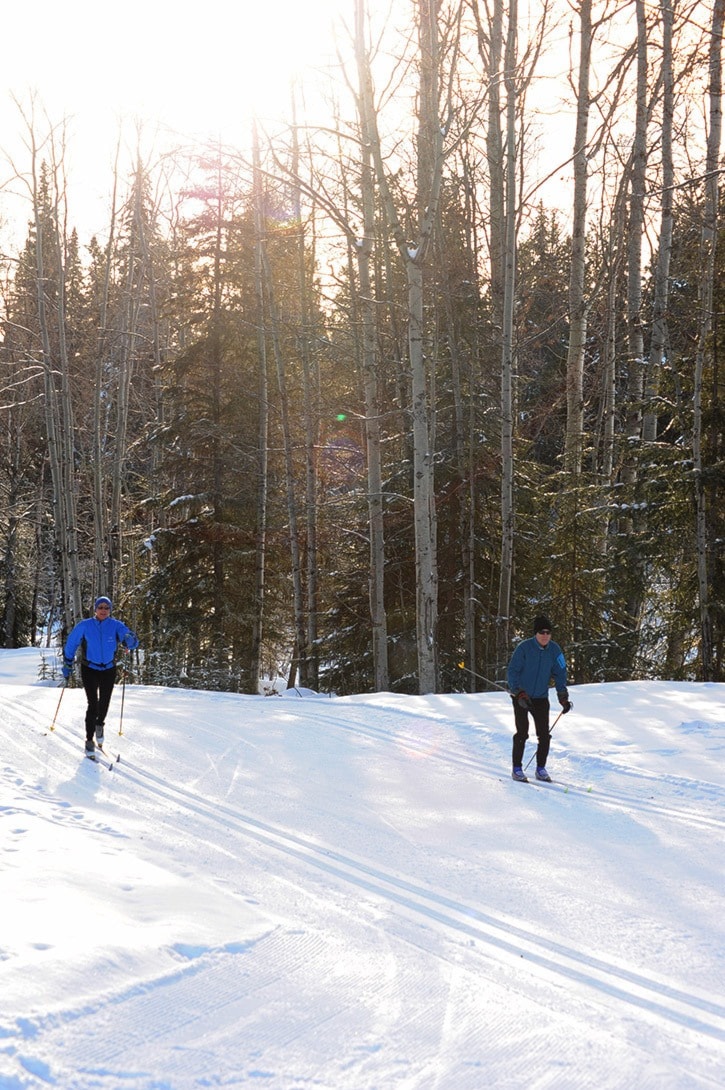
(352, 894)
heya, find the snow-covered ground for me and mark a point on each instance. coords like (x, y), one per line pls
(352, 894)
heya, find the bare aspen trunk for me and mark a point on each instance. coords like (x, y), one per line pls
(254, 665)
(218, 559)
(123, 370)
(578, 308)
(609, 376)
(378, 615)
(664, 250)
(468, 451)
(461, 352)
(311, 423)
(138, 275)
(507, 347)
(423, 493)
(495, 160)
(635, 335)
(413, 255)
(364, 250)
(707, 266)
(102, 577)
(148, 299)
(635, 226)
(299, 664)
(50, 244)
(430, 166)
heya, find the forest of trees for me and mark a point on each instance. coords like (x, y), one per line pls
(355, 401)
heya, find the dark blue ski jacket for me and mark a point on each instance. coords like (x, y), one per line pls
(532, 667)
(99, 641)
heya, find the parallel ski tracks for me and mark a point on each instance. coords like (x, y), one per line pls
(613, 800)
(501, 939)
(620, 801)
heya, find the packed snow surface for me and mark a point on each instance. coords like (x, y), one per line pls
(294, 892)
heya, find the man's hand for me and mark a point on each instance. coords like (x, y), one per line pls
(524, 700)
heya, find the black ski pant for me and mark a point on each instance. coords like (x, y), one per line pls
(540, 715)
(99, 686)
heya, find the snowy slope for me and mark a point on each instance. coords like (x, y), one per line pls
(352, 894)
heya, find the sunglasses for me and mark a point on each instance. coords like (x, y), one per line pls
(544, 631)
(103, 607)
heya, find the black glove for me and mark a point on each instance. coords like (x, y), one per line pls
(524, 700)
(67, 669)
(566, 704)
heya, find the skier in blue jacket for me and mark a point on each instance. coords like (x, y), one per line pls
(99, 638)
(533, 665)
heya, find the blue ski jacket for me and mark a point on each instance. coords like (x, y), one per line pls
(99, 641)
(532, 667)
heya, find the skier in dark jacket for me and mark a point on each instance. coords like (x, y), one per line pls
(533, 665)
(99, 638)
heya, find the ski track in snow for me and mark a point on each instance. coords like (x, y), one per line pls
(213, 988)
(614, 800)
(497, 936)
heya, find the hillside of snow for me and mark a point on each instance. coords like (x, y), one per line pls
(298, 892)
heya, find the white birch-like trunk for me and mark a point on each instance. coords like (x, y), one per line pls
(413, 256)
(424, 511)
(299, 663)
(707, 266)
(635, 227)
(50, 237)
(260, 568)
(100, 521)
(311, 402)
(664, 249)
(507, 346)
(578, 310)
(364, 251)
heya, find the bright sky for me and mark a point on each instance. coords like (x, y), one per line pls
(201, 70)
(195, 66)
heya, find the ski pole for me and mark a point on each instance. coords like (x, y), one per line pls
(462, 666)
(62, 690)
(123, 697)
(551, 731)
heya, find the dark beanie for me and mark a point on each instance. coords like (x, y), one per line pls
(540, 623)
